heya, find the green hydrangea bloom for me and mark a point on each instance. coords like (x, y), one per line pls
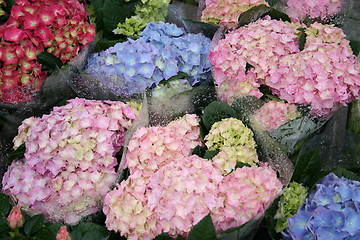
(229, 132)
(292, 198)
(147, 11)
(2, 4)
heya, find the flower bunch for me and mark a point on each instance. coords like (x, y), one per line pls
(162, 51)
(69, 159)
(2, 4)
(227, 12)
(235, 143)
(173, 200)
(322, 10)
(57, 27)
(292, 197)
(331, 211)
(273, 114)
(151, 148)
(146, 12)
(322, 76)
(246, 193)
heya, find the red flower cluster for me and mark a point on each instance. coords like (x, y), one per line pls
(59, 27)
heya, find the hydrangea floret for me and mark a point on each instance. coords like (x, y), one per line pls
(330, 212)
(323, 76)
(162, 51)
(146, 12)
(227, 12)
(319, 10)
(69, 161)
(56, 27)
(292, 197)
(153, 147)
(2, 4)
(247, 193)
(273, 114)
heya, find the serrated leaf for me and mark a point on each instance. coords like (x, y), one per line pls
(208, 29)
(355, 46)
(49, 62)
(5, 205)
(215, 112)
(342, 172)
(209, 154)
(243, 232)
(198, 150)
(17, 153)
(252, 14)
(89, 231)
(33, 224)
(203, 230)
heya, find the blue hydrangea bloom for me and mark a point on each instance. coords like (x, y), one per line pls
(331, 212)
(162, 51)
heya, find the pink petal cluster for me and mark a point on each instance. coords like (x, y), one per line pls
(322, 76)
(313, 9)
(246, 193)
(34, 26)
(173, 200)
(63, 234)
(260, 44)
(69, 160)
(151, 148)
(227, 12)
(273, 114)
(15, 218)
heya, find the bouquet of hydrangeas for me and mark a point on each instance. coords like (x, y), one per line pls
(170, 191)
(69, 162)
(323, 75)
(331, 211)
(162, 51)
(56, 27)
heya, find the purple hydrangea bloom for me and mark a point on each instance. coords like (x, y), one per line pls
(162, 51)
(330, 212)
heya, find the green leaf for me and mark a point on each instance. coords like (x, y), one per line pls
(4, 227)
(44, 233)
(308, 169)
(198, 150)
(272, 2)
(245, 231)
(355, 46)
(163, 236)
(277, 15)
(252, 14)
(241, 164)
(203, 230)
(208, 29)
(104, 44)
(249, 66)
(17, 153)
(270, 221)
(302, 38)
(5, 205)
(89, 231)
(180, 75)
(209, 154)
(49, 62)
(342, 172)
(215, 112)
(293, 132)
(33, 224)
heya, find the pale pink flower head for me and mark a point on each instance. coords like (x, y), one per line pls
(247, 193)
(273, 114)
(69, 159)
(227, 12)
(63, 234)
(15, 218)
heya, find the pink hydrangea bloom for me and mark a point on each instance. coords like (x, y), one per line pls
(260, 44)
(313, 9)
(323, 76)
(173, 200)
(227, 12)
(153, 147)
(273, 114)
(57, 27)
(246, 194)
(69, 160)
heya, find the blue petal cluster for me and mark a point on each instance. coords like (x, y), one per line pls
(331, 212)
(162, 51)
